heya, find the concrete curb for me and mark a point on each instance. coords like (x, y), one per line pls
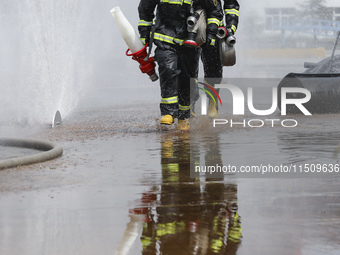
(50, 151)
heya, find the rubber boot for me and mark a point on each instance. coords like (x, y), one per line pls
(167, 120)
(212, 110)
(183, 125)
(192, 110)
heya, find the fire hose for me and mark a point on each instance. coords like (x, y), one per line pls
(50, 151)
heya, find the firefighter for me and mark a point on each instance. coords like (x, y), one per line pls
(213, 68)
(177, 63)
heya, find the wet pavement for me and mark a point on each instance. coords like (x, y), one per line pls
(124, 185)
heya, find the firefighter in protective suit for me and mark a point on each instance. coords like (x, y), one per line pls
(177, 63)
(213, 68)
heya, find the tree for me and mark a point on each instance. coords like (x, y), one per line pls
(315, 9)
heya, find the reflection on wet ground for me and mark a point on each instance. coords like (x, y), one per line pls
(124, 187)
(182, 215)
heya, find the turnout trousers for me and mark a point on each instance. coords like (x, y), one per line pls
(176, 65)
(212, 65)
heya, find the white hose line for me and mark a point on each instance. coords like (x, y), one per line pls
(50, 151)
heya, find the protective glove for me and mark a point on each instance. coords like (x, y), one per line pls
(144, 35)
(211, 40)
(230, 31)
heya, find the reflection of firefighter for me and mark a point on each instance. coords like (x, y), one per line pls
(188, 216)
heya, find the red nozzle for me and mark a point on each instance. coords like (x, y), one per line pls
(148, 66)
(190, 43)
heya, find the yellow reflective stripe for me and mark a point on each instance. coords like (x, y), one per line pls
(164, 38)
(177, 1)
(172, 1)
(168, 39)
(233, 27)
(146, 241)
(172, 168)
(184, 108)
(166, 229)
(142, 40)
(170, 228)
(145, 23)
(170, 172)
(235, 235)
(214, 21)
(235, 232)
(216, 245)
(178, 41)
(212, 43)
(174, 179)
(232, 11)
(169, 100)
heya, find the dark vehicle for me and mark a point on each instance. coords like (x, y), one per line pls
(322, 80)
